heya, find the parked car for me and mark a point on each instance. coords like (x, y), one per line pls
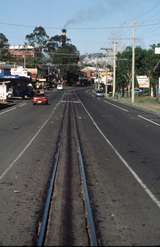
(99, 93)
(40, 99)
(60, 87)
(138, 91)
(9, 93)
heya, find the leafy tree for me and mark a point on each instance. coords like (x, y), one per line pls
(54, 50)
(4, 48)
(66, 58)
(151, 60)
(145, 62)
(38, 39)
(124, 65)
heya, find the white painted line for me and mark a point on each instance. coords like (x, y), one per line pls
(22, 104)
(149, 120)
(29, 144)
(119, 107)
(10, 109)
(71, 101)
(146, 189)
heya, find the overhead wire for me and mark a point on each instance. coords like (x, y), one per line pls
(150, 10)
(83, 28)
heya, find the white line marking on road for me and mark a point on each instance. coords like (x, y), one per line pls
(10, 109)
(71, 101)
(22, 104)
(29, 143)
(146, 189)
(119, 107)
(149, 120)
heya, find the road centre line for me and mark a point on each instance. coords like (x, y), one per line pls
(146, 189)
(29, 143)
(149, 120)
(119, 107)
(10, 109)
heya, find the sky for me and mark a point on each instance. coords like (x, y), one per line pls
(91, 24)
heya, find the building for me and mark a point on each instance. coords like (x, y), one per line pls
(99, 59)
(17, 80)
(20, 51)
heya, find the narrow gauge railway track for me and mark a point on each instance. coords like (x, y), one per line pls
(67, 217)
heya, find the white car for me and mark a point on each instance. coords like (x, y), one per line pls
(99, 93)
(60, 87)
(9, 94)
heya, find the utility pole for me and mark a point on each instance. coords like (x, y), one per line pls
(133, 60)
(24, 61)
(114, 68)
(106, 86)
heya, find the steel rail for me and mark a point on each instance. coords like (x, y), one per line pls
(89, 214)
(87, 204)
(43, 228)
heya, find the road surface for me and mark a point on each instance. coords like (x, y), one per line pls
(121, 152)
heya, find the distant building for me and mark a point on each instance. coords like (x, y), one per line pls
(99, 59)
(22, 50)
(91, 72)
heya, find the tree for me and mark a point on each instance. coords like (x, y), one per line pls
(66, 58)
(55, 50)
(145, 62)
(151, 61)
(124, 64)
(38, 39)
(4, 48)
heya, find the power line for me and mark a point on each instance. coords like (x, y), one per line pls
(150, 10)
(82, 28)
(65, 54)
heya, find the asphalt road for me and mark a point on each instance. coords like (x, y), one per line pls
(121, 151)
(122, 156)
(27, 140)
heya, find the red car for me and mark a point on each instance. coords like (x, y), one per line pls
(40, 99)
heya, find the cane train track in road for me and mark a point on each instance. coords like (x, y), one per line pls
(67, 217)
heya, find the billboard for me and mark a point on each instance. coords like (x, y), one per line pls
(143, 81)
